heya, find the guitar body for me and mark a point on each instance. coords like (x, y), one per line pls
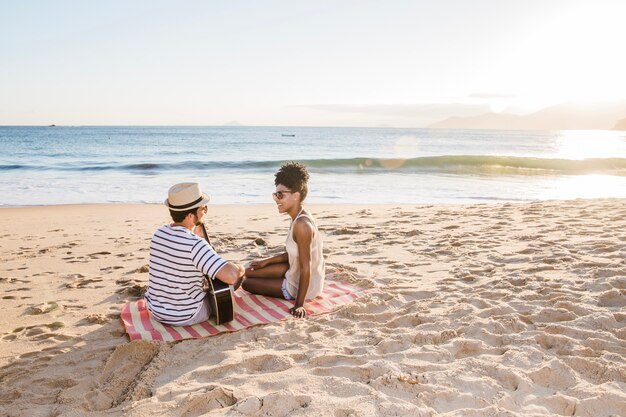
(221, 301)
(220, 296)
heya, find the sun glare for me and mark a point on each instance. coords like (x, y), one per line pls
(572, 56)
(585, 144)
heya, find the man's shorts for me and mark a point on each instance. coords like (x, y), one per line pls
(203, 313)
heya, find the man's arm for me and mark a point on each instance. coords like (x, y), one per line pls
(210, 263)
(230, 273)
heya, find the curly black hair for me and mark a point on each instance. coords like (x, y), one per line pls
(294, 176)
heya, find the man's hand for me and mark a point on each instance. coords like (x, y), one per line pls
(241, 279)
(298, 312)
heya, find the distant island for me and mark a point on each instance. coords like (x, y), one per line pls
(52, 125)
(559, 117)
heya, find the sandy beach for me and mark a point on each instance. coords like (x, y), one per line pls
(475, 310)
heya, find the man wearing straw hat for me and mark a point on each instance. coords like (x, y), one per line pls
(179, 259)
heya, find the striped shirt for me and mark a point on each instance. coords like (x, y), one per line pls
(178, 262)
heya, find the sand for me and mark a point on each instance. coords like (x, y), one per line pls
(477, 310)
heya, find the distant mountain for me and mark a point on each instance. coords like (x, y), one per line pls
(559, 117)
(483, 121)
(620, 125)
(232, 123)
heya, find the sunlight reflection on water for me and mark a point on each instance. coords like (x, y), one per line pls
(584, 144)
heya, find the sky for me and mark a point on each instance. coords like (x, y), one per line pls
(303, 63)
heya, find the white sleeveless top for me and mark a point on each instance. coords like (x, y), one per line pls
(316, 282)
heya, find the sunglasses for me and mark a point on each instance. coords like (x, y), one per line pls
(279, 195)
(204, 208)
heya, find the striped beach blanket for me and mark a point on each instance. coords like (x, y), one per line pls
(250, 310)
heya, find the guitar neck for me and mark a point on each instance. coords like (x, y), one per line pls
(206, 235)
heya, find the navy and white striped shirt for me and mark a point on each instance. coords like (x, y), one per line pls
(178, 262)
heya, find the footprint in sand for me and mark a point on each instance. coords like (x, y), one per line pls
(74, 307)
(555, 375)
(248, 406)
(110, 269)
(463, 348)
(13, 280)
(18, 289)
(61, 383)
(38, 332)
(135, 290)
(267, 363)
(345, 231)
(613, 298)
(42, 273)
(15, 297)
(201, 402)
(279, 404)
(83, 283)
(118, 333)
(94, 319)
(596, 370)
(132, 288)
(561, 345)
(143, 269)
(97, 255)
(42, 308)
(260, 364)
(549, 315)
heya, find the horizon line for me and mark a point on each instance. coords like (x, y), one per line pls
(308, 126)
(224, 125)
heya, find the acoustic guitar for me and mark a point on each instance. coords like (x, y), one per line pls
(220, 295)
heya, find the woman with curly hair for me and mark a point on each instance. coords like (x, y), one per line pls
(298, 273)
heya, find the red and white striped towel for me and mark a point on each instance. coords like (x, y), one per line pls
(250, 310)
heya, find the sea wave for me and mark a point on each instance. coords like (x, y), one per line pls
(455, 164)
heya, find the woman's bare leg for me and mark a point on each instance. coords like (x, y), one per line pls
(266, 281)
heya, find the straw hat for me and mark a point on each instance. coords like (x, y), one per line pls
(186, 196)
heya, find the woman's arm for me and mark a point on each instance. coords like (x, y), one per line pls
(303, 235)
(282, 258)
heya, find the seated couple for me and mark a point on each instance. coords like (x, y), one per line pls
(180, 257)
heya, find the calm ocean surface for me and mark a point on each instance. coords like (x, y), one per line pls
(70, 165)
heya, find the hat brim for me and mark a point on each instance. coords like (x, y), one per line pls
(205, 200)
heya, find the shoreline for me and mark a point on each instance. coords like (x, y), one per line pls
(324, 206)
(473, 310)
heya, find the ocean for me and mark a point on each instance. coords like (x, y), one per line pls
(236, 164)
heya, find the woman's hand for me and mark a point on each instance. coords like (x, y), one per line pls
(298, 312)
(258, 264)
